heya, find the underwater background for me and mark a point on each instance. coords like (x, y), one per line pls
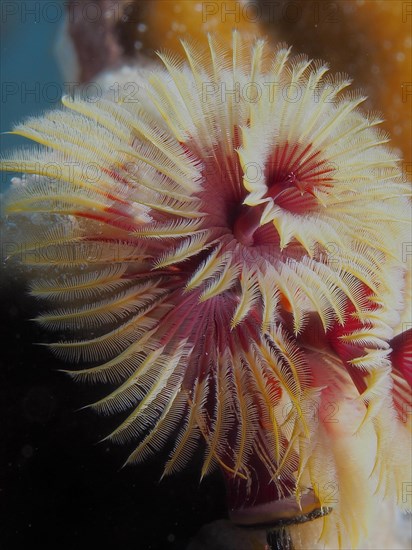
(60, 488)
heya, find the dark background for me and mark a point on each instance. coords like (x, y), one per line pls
(59, 487)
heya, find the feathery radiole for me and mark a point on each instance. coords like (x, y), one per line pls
(227, 253)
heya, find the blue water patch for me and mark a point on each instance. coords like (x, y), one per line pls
(31, 81)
